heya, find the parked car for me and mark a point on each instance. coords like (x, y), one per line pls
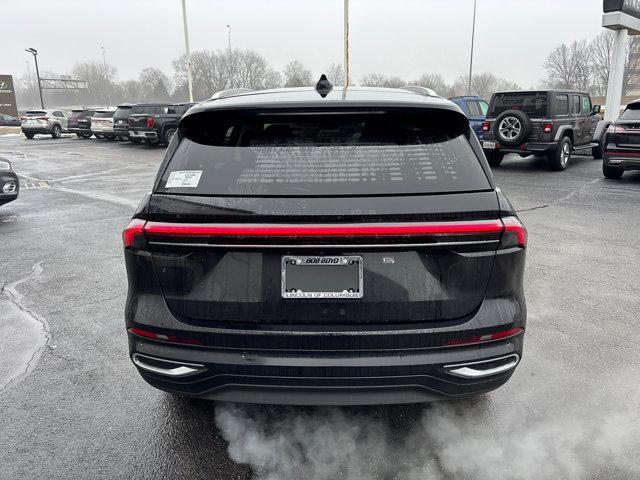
(120, 122)
(144, 109)
(622, 143)
(158, 124)
(80, 122)
(102, 123)
(9, 183)
(48, 121)
(552, 123)
(475, 109)
(9, 121)
(325, 247)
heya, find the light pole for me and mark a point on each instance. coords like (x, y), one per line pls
(473, 36)
(186, 42)
(346, 45)
(106, 76)
(229, 35)
(29, 75)
(34, 52)
(229, 69)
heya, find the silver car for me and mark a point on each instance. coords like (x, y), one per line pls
(102, 123)
(51, 122)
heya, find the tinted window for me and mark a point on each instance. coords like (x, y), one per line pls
(586, 105)
(562, 104)
(57, 114)
(35, 113)
(575, 104)
(533, 104)
(474, 109)
(178, 109)
(103, 114)
(122, 112)
(631, 113)
(484, 107)
(253, 154)
(148, 109)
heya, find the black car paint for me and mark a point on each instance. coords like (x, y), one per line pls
(622, 148)
(80, 122)
(162, 122)
(327, 357)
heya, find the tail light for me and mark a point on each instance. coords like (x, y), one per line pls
(149, 122)
(42, 118)
(164, 338)
(616, 129)
(130, 122)
(515, 234)
(133, 235)
(547, 128)
(485, 126)
(490, 337)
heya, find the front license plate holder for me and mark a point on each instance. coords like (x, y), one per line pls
(333, 276)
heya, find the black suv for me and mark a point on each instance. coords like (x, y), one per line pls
(325, 247)
(158, 124)
(80, 122)
(552, 123)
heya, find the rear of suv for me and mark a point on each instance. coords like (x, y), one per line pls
(622, 143)
(329, 247)
(550, 123)
(51, 122)
(121, 120)
(80, 122)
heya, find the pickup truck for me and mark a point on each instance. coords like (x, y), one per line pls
(158, 125)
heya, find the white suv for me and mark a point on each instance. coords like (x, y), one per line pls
(52, 122)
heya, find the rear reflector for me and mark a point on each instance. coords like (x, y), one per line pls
(490, 337)
(547, 128)
(164, 338)
(255, 229)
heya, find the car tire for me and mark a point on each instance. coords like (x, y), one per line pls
(110, 137)
(152, 142)
(56, 132)
(168, 135)
(80, 135)
(86, 135)
(135, 140)
(512, 128)
(494, 158)
(613, 173)
(559, 159)
(596, 152)
(29, 135)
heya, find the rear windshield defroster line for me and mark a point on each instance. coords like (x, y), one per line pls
(396, 153)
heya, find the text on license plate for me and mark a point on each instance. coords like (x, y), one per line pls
(489, 145)
(322, 277)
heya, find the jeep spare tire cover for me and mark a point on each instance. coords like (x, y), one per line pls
(512, 127)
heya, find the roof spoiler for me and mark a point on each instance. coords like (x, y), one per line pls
(427, 92)
(232, 92)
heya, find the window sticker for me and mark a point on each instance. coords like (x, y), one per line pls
(184, 179)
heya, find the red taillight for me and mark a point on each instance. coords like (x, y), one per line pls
(257, 229)
(616, 129)
(133, 235)
(485, 126)
(547, 128)
(42, 118)
(164, 338)
(514, 226)
(149, 122)
(490, 337)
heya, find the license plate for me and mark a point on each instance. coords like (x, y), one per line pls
(489, 145)
(322, 277)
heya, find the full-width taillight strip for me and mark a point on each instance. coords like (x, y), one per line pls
(256, 229)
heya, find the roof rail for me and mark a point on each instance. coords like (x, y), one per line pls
(420, 90)
(232, 92)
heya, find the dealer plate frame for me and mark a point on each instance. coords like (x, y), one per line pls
(304, 261)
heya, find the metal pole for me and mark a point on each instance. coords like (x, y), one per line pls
(473, 37)
(30, 81)
(186, 42)
(35, 57)
(346, 43)
(230, 84)
(616, 75)
(106, 77)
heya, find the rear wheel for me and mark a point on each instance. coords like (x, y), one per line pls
(56, 132)
(494, 158)
(86, 135)
(152, 142)
(135, 140)
(614, 173)
(80, 135)
(596, 152)
(559, 158)
(29, 135)
(168, 135)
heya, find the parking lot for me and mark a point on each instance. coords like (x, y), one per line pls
(74, 407)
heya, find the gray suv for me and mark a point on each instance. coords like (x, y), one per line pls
(51, 122)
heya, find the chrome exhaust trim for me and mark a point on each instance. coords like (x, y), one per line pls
(180, 370)
(475, 370)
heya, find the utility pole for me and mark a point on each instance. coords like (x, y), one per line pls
(473, 37)
(106, 77)
(34, 52)
(186, 42)
(230, 84)
(29, 75)
(346, 43)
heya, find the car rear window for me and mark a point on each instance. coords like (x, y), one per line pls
(103, 114)
(533, 104)
(328, 154)
(632, 112)
(35, 113)
(122, 112)
(148, 110)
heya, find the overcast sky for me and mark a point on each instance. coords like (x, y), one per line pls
(395, 37)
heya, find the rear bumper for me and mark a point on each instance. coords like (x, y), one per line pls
(36, 129)
(9, 180)
(80, 130)
(527, 148)
(143, 134)
(622, 159)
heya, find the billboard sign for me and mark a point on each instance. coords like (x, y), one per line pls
(8, 104)
(630, 7)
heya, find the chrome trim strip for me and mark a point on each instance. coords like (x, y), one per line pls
(352, 245)
(182, 370)
(466, 370)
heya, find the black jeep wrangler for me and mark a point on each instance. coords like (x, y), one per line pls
(553, 123)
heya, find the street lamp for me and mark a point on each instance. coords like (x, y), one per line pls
(34, 52)
(473, 36)
(106, 77)
(229, 35)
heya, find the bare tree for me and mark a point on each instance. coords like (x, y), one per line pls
(154, 85)
(569, 66)
(335, 74)
(379, 80)
(433, 81)
(601, 52)
(295, 75)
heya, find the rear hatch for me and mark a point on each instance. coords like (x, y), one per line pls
(102, 120)
(120, 117)
(270, 217)
(625, 132)
(142, 117)
(80, 119)
(36, 118)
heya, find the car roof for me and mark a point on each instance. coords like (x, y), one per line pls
(550, 90)
(340, 97)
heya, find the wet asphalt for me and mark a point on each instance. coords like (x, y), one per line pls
(73, 406)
